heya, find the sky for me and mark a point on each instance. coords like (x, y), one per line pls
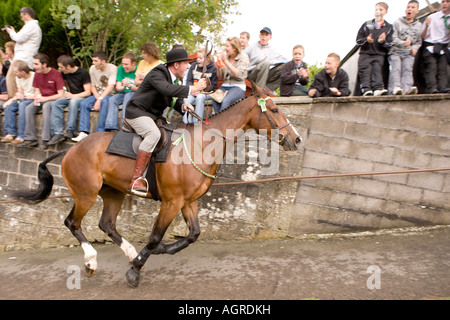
(321, 26)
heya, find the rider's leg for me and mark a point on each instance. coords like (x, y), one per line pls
(146, 128)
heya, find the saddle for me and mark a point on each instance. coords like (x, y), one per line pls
(126, 143)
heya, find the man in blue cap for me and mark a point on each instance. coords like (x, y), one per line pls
(265, 62)
(157, 92)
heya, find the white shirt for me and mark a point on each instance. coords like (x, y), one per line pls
(437, 31)
(26, 84)
(28, 40)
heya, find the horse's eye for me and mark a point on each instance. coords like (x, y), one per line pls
(275, 110)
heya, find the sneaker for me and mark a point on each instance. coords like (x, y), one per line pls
(8, 138)
(397, 91)
(17, 141)
(80, 137)
(382, 92)
(57, 138)
(28, 144)
(413, 90)
(368, 93)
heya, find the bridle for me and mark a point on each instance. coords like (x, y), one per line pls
(263, 108)
(281, 137)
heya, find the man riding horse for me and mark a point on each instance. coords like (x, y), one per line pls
(157, 92)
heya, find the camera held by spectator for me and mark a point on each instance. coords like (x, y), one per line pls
(4, 28)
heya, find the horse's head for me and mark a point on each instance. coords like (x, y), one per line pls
(270, 118)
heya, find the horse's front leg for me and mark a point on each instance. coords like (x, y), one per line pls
(167, 213)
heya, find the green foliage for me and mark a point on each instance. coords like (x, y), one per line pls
(314, 70)
(116, 26)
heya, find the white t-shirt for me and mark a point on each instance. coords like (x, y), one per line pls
(101, 79)
(26, 84)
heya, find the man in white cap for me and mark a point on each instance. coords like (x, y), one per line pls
(265, 62)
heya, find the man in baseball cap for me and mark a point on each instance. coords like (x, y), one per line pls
(265, 62)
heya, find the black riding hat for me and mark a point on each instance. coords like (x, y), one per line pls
(176, 55)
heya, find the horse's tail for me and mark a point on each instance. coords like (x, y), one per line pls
(45, 183)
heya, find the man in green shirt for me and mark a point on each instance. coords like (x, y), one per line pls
(125, 89)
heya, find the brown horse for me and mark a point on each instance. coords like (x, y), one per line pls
(89, 171)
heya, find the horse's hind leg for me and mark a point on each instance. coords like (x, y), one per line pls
(112, 202)
(191, 217)
(73, 222)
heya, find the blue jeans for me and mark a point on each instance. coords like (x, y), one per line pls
(57, 115)
(10, 125)
(113, 109)
(233, 95)
(199, 107)
(85, 109)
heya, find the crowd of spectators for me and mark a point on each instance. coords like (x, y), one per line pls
(29, 84)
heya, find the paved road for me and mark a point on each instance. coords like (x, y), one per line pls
(401, 265)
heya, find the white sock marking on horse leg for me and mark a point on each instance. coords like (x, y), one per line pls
(129, 250)
(90, 256)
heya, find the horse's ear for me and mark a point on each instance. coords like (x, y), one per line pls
(256, 90)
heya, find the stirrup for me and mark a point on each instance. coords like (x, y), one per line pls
(139, 193)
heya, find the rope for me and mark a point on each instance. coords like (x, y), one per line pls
(339, 175)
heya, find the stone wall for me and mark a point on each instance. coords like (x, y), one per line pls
(342, 135)
(381, 134)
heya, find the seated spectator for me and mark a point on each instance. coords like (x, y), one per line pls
(150, 55)
(48, 86)
(244, 37)
(265, 62)
(331, 81)
(3, 93)
(3, 90)
(233, 74)
(125, 89)
(375, 39)
(295, 75)
(194, 74)
(406, 43)
(436, 55)
(7, 57)
(103, 80)
(23, 97)
(78, 88)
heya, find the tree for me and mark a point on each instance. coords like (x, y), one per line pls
(116, 26)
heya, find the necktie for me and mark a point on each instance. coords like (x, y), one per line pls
(446, 22)
(174, 101)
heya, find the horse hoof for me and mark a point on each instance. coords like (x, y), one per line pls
(133, 277)
(90, 272)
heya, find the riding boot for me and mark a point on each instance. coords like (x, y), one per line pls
(139, 185)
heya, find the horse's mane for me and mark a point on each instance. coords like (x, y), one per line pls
(230, 107)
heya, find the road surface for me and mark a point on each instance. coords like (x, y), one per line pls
(411, 264)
